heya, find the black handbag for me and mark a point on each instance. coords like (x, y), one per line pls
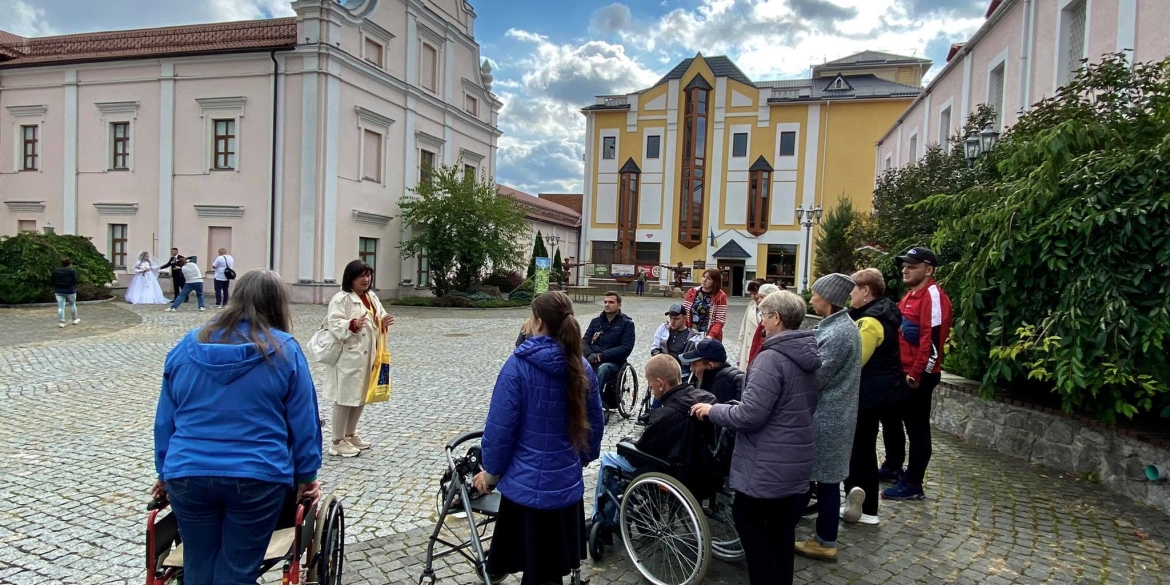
(228, 273)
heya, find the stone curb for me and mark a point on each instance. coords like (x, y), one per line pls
(43, 305)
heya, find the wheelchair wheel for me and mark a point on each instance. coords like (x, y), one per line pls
(665, 531)
(596, 543)
(627, 392)
(725, 544)
(327, 565)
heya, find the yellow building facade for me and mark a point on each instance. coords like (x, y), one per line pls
(708, 167)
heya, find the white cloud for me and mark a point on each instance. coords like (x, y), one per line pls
(24, 19)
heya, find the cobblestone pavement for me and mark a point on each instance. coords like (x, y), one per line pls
(36, 324)
(76, 445)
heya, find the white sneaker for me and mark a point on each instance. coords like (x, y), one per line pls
(169, 310)
(851, 511)
(76, 321)
(61, 325)
(344, 449)
(200, 308)
(870, 519)
(215, 306)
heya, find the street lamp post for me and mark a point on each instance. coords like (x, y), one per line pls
(808, 217)
(979, 144)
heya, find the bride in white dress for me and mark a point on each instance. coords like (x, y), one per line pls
(144, 288)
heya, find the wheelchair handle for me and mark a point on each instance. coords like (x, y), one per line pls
(157, 504)
(453, 443)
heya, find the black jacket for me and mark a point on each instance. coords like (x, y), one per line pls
(615, 339)
(666, 432)
(65, 280)
(726, 383)
(882, 380)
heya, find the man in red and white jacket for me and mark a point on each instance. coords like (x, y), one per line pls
(926, 323)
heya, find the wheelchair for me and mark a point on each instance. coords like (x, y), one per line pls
(309, 537)
(672, 528)
(457, 498)
(621, 393)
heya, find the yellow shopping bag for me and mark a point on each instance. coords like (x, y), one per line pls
(379, 388)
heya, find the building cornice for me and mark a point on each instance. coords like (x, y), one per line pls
(116, 208)
(25, 206)
(219, 210)
(371, 217)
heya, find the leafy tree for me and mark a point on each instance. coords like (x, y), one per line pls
(896, 224)
(1060, 257)
(27, 262)
(837, 241)
(538, 251)
(462, 251)
(558, 269)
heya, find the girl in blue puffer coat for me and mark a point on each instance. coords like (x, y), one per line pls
(543, 427)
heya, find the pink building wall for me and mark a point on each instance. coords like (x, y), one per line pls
(1027, 33)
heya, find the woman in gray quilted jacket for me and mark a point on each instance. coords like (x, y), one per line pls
(773, 458)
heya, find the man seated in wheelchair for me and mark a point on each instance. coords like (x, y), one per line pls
(708, 361)
(664, 437)
(675, 337)
(607, 344)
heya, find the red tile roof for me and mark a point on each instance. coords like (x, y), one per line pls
(196, 39)
(570, 200)
(539, 209)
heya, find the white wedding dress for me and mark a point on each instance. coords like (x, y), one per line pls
(144, 288)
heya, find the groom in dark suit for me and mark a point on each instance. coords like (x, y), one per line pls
(177, 280)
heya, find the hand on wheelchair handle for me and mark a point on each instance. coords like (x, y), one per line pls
(309, 491)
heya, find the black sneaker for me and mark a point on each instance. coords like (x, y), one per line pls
(890, 475)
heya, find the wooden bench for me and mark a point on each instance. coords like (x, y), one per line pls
(582, 294)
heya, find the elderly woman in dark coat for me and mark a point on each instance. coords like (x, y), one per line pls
(836, 417)
(773, 459)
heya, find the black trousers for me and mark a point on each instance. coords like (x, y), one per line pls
(767, 531)
(177, 282)
(914, 413)
(221, 286)
(863, 464)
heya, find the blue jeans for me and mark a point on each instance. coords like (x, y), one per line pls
(61, 300)
(641, 288)
(196, 287)
(607, 480)
(604, 373)
(828, 512)
(225, 524)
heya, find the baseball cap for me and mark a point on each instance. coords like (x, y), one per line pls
(675, 309)
(919, 255)
(708, 349)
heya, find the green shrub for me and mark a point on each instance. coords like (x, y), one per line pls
(414, 302)
(27, 262)
(521, 295)
(453, 301)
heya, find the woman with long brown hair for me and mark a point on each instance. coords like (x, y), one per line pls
(544, 425)
(706, 305)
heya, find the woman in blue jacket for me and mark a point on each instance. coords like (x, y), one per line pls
(236, 430)
(544, 425)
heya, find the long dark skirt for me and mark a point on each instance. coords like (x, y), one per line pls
(545, 545)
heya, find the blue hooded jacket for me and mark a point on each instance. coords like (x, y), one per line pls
(226, 411)
(526, 439)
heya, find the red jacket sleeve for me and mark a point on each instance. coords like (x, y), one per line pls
(687, 302)
(718, 316)
(928, 354)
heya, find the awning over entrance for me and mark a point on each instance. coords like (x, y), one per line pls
(732, 251)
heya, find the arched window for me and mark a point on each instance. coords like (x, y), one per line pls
(759, 196)
(694, 163)
(627, 236)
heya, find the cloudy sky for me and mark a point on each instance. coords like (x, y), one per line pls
(552, 56)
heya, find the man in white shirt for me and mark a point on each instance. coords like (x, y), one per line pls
(221, 265)
(194, 283)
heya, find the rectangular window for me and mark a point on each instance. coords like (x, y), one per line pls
(1072, 40)
(374, 52)
(759, 189)
(31, 149)
(225, 144)
(788, 144)
(472, 106)
(371, 156)
(26, 225)
(117, 250)
(739, 144)
(469, 173)
(653, 146)
(603, 252)
(424, 269)
(995, 93)
(120, 133)
(648, 253)
(781, 264)
(944, 126)
(368, 253)
(609, 148)
(889, 163)
(429, 68)
(914, 148)
(426, 166)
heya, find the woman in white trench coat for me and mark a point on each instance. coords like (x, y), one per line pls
(355, 318)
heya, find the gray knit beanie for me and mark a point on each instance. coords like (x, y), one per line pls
(834, 288)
